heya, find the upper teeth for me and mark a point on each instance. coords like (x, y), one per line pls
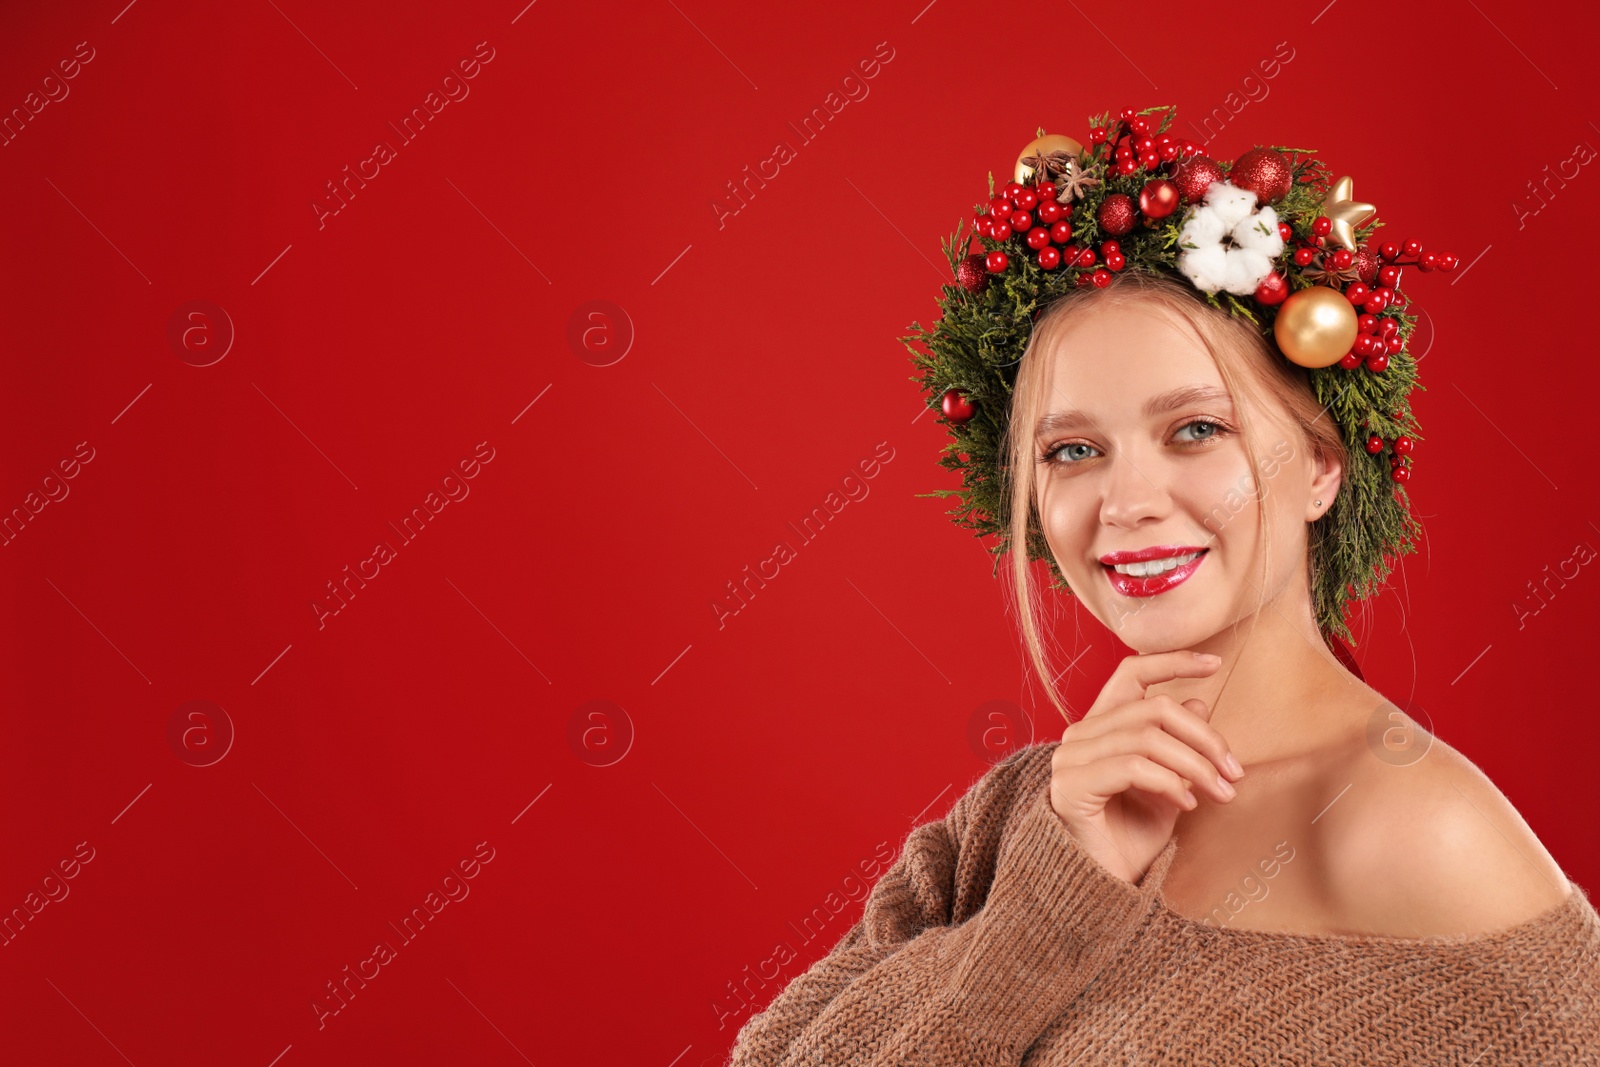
(1148, 567)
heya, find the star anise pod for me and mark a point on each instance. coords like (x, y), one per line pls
(1047, 165)
(1074, 183)
(1326, 274)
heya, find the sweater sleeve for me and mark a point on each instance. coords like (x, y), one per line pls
(910, 985)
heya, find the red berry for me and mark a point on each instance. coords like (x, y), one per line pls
(1102, 277)
(1050, 211)
(1012, 189)
(1304, 256)
(1049, 258)
(996, 261)
(1401, 474)
(1116, 261)
(1389, 277)
(1366, 323)
(1002, 208)
(1038, 237)
(1343, 258)
(956, 407)
(1285, 231)
(1357, 293)
(1097, 135)
(1378, 362)
(1021, 221)
(1086, 258)
(1061, 232)
(1374, 444)
(1026, 200)
(1322, 226)
(1412, 249)
(1350, 361)
(1108, 247)
(1404, 444)
(1045, 191)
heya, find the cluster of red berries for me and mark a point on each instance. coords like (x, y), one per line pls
(1034, 212)
(1399, 458)
(1134, 148)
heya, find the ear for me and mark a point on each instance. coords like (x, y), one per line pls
(1328, 475)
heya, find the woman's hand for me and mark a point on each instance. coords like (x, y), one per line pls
(1122, 772)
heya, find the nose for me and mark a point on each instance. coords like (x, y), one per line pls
(1130, 493)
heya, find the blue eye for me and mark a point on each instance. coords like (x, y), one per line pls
(1209, 430)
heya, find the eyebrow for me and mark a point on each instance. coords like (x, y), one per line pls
(1057, 421)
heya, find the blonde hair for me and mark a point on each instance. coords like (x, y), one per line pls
(1252, 370)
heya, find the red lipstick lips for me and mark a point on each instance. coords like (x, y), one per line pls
(1153, 584)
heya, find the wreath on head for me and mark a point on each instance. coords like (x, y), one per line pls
(1268, 237)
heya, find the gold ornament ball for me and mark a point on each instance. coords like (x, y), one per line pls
(1315, 327)
(1050, 142)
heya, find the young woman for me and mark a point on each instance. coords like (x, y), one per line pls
(1240, 853)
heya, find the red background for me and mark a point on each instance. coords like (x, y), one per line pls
(764, 762)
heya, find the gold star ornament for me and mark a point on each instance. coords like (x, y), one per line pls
(1345, 213)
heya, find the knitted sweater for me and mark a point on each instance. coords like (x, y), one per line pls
(995, 939)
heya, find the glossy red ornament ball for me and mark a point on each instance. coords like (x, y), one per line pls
(956, 407)
(1194, 176)
(1403, 444)
(996, 261)
(1374, 444)
(1265, 172)
(1116, 213)
(1401, 474)
(970, 274)
(1158, 199)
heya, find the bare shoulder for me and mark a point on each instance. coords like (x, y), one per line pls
(1430, 847)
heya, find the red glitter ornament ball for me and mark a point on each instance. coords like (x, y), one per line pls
(1367, 264)
(1265, 172)
(971, 275)
(1195, 175)
(1116, 214)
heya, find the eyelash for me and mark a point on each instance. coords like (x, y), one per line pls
(1222, 430)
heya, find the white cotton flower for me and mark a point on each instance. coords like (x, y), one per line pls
(1228, 243)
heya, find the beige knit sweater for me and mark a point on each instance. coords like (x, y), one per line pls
(995, 939)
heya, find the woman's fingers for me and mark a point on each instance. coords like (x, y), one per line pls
(1105, 778)
(1136, 673)
(1189, 722)
(1152, 741)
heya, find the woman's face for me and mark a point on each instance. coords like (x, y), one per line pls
(1145, 454)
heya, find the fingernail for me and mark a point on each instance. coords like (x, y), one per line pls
(1207, 657)
(1233, 765)
(1225, 785)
